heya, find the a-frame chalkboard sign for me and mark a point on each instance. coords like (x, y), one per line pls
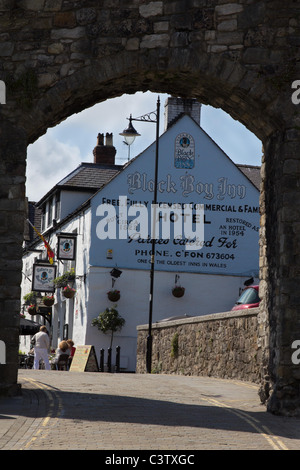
(84, 360)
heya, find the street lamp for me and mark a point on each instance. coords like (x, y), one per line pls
(129, 135)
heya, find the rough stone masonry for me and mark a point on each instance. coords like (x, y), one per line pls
(223, 345)
(58, 57)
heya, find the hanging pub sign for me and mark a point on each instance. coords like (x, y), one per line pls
(43, 276)
(184, 151)
(66, 246)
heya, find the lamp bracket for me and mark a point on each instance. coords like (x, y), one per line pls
(149, 117)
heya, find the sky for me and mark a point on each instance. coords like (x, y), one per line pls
(54, 155)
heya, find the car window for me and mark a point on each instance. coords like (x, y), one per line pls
(249, 296)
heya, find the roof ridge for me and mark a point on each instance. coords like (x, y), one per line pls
(247, 166)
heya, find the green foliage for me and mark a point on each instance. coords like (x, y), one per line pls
(62, 281)
(157, 369)
(30, 298)
(174, 346)
(109, 320)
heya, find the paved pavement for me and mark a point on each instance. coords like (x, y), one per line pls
(61, 410)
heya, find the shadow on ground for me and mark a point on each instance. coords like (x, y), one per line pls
(98, 407)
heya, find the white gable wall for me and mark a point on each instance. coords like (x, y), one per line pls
(213, 277)
(231, 208)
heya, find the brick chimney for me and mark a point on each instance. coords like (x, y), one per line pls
(104, 154)
(174, 107)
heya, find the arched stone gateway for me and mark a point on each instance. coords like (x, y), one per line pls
(59, 57)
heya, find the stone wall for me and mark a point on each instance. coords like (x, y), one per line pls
(223, 345)
(59, 57)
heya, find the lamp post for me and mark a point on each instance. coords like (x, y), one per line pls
(129, 134)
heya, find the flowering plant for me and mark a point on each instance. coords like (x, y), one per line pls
(31, 309)
(48, 300)
(69, 292)
(69, 289)
(115, 291)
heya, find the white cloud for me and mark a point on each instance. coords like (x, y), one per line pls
(111, 116)
(49, 161)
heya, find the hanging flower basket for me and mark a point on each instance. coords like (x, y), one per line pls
(31, 310)
(62, 281)
(69, 292)
(48, 300)
(178, 291)
(114, 295)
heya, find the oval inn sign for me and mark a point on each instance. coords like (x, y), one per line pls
(184, 151)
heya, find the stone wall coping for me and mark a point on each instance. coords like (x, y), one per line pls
(203, 318)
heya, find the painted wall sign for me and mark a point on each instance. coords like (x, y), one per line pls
(230, 201)
(43, 276)
(184, 151)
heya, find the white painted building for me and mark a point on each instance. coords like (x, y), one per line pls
(192, 170)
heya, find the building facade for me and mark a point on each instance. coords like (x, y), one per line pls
(106, 211)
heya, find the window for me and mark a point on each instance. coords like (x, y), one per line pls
(43, 221)
(249, 296)
(49, 212)
(57, 207)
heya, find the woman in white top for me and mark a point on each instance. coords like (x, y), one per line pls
(41, 347)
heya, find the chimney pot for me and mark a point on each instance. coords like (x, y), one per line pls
(100, 139)
(109, 139)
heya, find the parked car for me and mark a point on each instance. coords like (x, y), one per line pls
(249, 298)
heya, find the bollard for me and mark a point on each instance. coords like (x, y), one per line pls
(109, 360)
(118, 358)
(101, 368)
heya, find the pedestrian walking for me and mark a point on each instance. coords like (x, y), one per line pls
(41, 347)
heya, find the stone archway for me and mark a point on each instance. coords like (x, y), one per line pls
(57, 59)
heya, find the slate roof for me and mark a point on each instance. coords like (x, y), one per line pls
(90, 176)
(86, 177)
(252, 172)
